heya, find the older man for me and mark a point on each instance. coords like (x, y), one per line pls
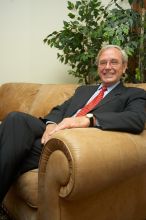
(107, 106)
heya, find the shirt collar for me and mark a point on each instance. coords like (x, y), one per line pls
(110, 87)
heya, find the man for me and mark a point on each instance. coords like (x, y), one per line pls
(121, 109)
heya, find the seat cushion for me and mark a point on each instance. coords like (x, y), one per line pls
(26, 187)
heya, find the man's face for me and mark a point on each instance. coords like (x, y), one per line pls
(111, 66)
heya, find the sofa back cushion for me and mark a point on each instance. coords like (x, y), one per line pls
(138, 85)
(17, 97)
(50, 96)
(33, 98)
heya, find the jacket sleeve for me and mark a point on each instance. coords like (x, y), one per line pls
(58, 112)
(131, 119)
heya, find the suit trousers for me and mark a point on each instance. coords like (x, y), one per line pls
(20, 147)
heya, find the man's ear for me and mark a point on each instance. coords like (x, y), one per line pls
(125, 66)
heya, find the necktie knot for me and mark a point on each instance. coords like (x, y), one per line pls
(104, 88)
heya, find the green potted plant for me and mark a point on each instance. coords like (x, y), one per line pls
(127, 28)
(90, 26)
(80, 38)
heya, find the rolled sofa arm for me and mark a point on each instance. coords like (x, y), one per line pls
(81, 162)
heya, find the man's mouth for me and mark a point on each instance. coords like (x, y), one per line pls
(108, 75)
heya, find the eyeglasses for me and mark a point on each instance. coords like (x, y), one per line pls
(112, 62)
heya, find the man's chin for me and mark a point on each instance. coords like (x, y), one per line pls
(109, 82)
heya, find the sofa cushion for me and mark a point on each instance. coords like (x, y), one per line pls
(137, 85)
(17, 97)
(50, 96)
(26, 187)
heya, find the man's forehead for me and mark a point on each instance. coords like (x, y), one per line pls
(112, 53)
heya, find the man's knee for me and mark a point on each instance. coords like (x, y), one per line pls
(15, 115)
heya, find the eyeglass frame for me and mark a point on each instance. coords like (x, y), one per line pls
(112, 62)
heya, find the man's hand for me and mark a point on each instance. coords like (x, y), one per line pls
(72, 122)
(46, 136)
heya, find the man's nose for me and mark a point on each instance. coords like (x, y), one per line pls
(108, 65)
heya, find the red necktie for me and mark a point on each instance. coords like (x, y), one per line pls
(88, 107)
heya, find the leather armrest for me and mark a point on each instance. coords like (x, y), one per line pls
(81, 162)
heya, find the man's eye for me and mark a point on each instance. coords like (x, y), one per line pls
(103, 63)
(114, 62)
(110, 62)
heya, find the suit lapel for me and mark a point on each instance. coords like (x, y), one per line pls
(81, 100)
(112, 95)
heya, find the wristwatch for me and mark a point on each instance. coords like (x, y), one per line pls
(90, 116)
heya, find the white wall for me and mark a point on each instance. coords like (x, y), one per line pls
(23, 55)
(123, 3)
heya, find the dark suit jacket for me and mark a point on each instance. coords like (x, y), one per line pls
(123, 109)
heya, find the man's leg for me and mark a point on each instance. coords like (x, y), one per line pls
(19, 133)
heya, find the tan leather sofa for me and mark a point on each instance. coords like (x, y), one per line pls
(84, 174)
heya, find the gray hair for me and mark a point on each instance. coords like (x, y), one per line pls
(123, 53)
